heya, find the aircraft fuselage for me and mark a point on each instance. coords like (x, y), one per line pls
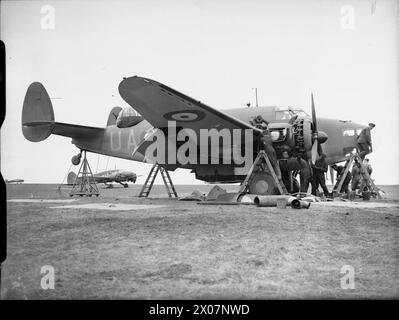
(123, 142)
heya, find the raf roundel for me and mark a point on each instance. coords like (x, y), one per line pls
(185, 116)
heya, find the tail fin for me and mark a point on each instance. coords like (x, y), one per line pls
(37, 113)
(71, 177)
(38, 118)
(113, 115)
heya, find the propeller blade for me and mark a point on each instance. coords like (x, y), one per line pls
(314, 119)
(315, 150)
(331, 174)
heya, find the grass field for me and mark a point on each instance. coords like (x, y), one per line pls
(181, 250)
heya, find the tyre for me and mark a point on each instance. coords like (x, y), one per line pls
(263, 184)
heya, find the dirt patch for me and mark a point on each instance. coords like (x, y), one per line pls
(169, 249)
(354, 204)
(110, 206)
(43, 200)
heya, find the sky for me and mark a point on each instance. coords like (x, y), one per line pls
(345, 52)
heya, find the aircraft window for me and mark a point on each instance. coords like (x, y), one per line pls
(275, 135)
(288, 114)
(301, 113)
(283, 115)
(358, 131)
(278, 135)
(348, 132)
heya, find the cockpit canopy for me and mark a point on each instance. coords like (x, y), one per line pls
(128, 117)
(285, 114)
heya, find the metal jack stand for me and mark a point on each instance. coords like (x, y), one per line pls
(84, 184)
(258, 165)
(145, 190)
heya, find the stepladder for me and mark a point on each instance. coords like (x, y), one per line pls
(261, 165)
(366, 183)
(149, 182)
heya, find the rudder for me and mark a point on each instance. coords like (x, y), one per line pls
(37, 113)
(71, 177)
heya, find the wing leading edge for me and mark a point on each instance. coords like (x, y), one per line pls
(158, 104)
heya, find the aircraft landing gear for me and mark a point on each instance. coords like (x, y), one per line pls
(76, 159)
(84, 184)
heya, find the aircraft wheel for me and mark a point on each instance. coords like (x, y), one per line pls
(76, 159)
(263, 184)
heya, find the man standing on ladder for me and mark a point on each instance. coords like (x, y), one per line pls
(364, 144)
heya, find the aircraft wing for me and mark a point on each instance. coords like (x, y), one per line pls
(158, 104)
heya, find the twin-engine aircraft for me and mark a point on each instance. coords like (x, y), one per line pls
(107, 177)
(155, 108)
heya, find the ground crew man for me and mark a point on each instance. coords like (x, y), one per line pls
(340, 170)
(355, 175)
(367, 164)
(364, 183)
(304, 174)
(266, 144)
(318, 178)
(364, 144)
(285, 173)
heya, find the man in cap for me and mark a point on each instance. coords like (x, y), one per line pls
(318, 178)
(266, 143)
(364, 144)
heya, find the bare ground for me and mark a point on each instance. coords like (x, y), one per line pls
(188, 251)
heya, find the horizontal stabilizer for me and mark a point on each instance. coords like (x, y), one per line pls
(38, 118)
(76, 131)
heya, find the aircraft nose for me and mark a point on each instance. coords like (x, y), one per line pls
(322, 137)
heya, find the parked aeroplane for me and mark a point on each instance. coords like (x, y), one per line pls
(131, 130)
(16, 181)
(107, 177)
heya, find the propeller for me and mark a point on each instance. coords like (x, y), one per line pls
(315, 145)
(318, 137)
